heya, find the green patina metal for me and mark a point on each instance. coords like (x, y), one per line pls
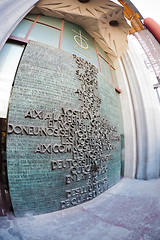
(63, 144)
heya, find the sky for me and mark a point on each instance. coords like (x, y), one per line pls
(148, 8)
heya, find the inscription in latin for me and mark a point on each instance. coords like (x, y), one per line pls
(61, 164)
(55, 148)
(35, 114)
(79, 195)
(82, 133)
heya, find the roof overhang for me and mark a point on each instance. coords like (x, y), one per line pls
(95, 17)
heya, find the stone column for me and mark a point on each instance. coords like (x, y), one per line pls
(142, 112)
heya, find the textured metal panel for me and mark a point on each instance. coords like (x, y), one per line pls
(63, 145)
